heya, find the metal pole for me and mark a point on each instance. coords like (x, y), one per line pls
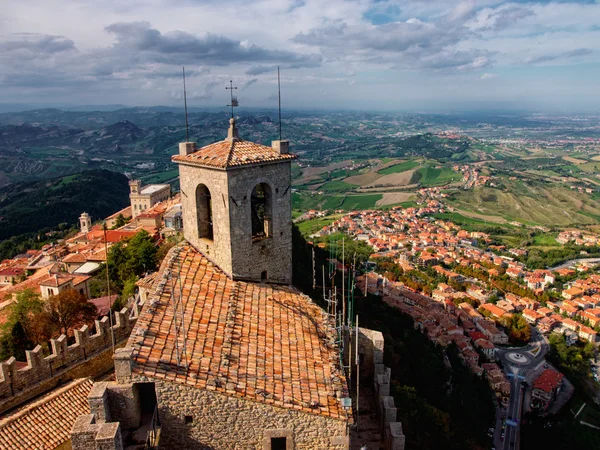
(110, 313)
(357, 379)
(343, 282)
(279, 95)
(313, 269)
(185, 107)
(324, 282)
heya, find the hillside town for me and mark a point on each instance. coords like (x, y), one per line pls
(461, 290)
(72, 262)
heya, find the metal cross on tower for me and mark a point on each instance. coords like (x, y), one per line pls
(234, 100)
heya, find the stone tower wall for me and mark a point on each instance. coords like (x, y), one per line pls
(219, 249)
(219, 421)
(272, 254)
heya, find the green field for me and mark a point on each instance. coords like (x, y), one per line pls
(367, 201)
(337, 186)
(305, 201)
(309, 227)
(397, 168)
(160, 177)
(545, 240)
(532, 203)
(432, 176)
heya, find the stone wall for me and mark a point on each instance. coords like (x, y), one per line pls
(370, 347)
(273, 254)
(223, 422)
(90, 355)
(217, 250)
(194, 418)
(86, 434)
(232, 247)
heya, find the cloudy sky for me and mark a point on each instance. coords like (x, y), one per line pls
(420, 55)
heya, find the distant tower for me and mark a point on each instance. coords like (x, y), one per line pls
(85, 223)
(135, 186)
(237, 211)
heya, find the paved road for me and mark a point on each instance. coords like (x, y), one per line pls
(569, 263)
(519, 372)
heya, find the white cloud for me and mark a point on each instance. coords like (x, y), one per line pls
(110, 50)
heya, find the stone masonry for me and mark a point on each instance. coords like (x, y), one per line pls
(232, 248)
(199, 419)
(370, 347)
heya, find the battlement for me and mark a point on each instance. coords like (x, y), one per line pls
(16, 382)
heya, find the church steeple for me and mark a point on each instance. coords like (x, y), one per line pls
(237, 206)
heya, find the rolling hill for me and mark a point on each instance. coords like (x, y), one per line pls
(31, 206)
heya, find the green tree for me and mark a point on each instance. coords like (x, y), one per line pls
(21, 329)
(121, 220)
(131, 258)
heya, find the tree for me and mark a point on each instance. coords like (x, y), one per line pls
(131, 258)
(120, 221)
(21, 330)
(68, 310)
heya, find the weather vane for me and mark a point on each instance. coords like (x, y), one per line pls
(234, 100)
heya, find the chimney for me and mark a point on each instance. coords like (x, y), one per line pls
(281, 147)
(185, 148)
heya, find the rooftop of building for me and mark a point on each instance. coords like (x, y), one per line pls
(266, 343)
(232, 152)
(548, 380)
(154, 188)
(47, 422)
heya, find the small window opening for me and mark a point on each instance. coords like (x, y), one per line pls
(204, 211)
(263, 275)
(278, 443)
(260, 210)
(188, 419)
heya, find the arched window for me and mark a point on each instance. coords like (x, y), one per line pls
(204, 211)
(260, 210)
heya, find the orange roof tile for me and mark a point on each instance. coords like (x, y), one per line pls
(266, 343)
(548, 380)
(47, 422)
(74, 258)
(232, 153)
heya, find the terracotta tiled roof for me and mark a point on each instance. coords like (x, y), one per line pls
(232, 153)
(46, 423)
(32, 282)
(548, 380)
(266, 343)
(74, 258)
(147, 281)
(56, 280)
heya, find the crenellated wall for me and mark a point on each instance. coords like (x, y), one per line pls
(44, 372)
(370, 347)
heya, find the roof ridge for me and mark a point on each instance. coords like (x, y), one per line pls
(230, 153)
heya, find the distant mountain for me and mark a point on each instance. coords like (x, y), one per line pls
(31, 206)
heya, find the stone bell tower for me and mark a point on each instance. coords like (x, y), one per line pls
(237, 211)
(85, 222)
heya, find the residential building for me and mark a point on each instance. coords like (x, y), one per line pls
(545, 388)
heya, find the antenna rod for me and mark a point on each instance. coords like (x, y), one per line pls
(185, 106)
(279, 96)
